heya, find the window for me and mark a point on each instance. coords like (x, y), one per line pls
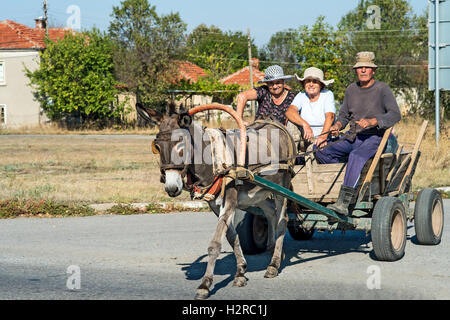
(2, 114)
(2, 72)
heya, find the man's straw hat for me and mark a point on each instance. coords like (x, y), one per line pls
(365, 59)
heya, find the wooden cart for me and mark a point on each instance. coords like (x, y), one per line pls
(381, 208)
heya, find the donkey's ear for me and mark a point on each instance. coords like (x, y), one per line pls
(172, 108)
(184, 120)
(148, 114)
(182, 109)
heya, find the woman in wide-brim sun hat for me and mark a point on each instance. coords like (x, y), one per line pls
(315, 105)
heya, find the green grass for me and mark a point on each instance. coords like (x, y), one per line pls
(43, 208)
(15, 208)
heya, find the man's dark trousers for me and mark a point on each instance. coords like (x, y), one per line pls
(359, 151)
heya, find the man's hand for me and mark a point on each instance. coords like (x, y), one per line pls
(321, 140)
(364, 123)
(335, 128)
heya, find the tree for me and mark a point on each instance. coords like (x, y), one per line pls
(221, 53)
(280, 51)
(419, 98)
(76, 78)
(208, 86)
(320, 47)
(145, 47)
(392, 43)
(400, 46)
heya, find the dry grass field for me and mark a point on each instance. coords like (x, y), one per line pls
(103, 169)
(433, 169)
(81, 169)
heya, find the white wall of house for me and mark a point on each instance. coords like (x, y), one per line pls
(21, 109)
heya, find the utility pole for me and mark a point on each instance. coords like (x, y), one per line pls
(250, 68)
(45, 18)
(436, 68)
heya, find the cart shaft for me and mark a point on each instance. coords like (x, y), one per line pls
(302, 201)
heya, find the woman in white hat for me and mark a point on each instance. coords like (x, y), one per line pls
(273, 97)
(315, 106)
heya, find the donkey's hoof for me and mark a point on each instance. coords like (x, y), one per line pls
(240, 282)
(202, 294)
(271, 272)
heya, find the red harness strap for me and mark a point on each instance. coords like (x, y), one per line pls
(205, 193)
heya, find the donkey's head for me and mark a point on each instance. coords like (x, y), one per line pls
(172, 143)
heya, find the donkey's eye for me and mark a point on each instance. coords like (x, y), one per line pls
(155, 148)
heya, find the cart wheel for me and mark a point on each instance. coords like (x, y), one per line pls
(299, 233)
(429, 217)
(389, 229)
(252, 230)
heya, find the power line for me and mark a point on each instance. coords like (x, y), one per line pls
(324, 31)
(307, 63)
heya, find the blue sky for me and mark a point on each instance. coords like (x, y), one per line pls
(263, 17)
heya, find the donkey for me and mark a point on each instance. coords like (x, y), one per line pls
(237, 194)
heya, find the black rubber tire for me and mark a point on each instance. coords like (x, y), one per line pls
(299, 233)
(429, 217)
(388, 229)
(252, 231)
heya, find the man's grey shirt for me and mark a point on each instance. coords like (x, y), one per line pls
(376, 101)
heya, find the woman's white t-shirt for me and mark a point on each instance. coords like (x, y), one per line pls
(314, 112)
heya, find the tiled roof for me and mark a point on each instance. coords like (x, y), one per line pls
(190, 71)
(242, 77)
(14, 35)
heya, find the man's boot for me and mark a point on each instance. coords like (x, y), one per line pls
(346, 195)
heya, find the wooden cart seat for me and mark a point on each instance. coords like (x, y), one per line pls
(322, 182)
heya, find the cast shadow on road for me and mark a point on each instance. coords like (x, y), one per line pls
(322, 245)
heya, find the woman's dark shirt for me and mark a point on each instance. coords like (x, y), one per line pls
(267, 107)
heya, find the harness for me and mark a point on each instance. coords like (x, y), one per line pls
(224, 177)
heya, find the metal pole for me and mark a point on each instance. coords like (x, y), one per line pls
(436, 69)
(46, 18)
(250, 68)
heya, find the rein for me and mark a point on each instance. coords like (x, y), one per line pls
(350, 134)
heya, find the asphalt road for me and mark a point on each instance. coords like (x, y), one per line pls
(164, 256)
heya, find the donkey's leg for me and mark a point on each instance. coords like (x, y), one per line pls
(277, 257)
(268, 207)
(233, 240)
(226, 214)
(241, 263)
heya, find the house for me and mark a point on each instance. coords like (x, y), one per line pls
(186, 99)
(242, 76)
(19, 48)
(190, 72)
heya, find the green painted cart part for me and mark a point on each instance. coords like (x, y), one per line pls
(319, 222)
(302, 201)
(364, 205)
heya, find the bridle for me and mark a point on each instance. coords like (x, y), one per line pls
(163, 138)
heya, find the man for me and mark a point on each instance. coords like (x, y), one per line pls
(372, 106)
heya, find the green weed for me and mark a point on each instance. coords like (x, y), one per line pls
(43, 208)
